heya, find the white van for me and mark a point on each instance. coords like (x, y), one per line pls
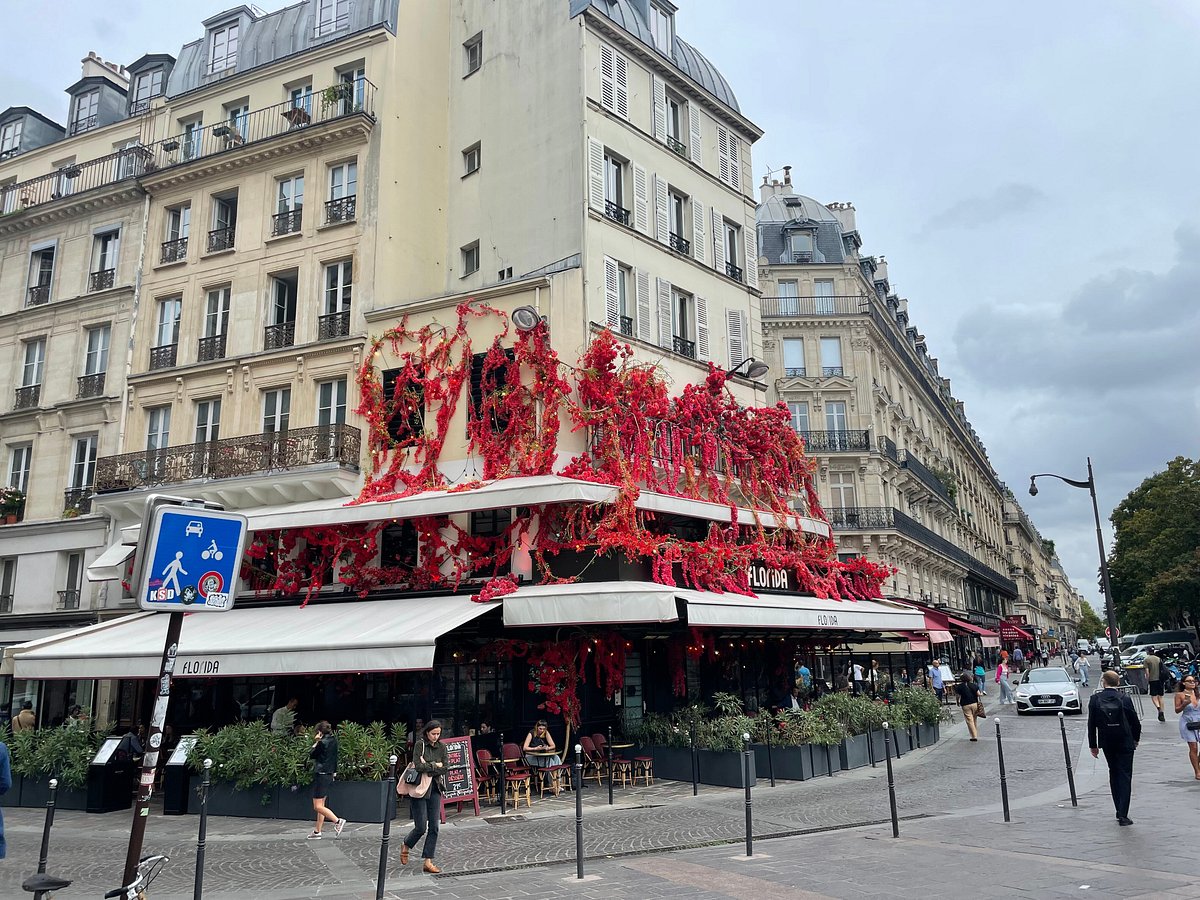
(1084, 645)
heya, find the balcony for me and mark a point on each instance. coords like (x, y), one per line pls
(174, 251)
(616, 213)
(27, 397)
(679, 147)
(254, 454)
(922, 535)
(925, 476)
(793, 372)
(210, 348)
(137, 107)
(75, 179)
(684, 347)
(860, 518)
(734, 272)
(276, 337)
(77, 502)
(37, 295)
(680, 244)
(79, 126)
(782, 307)
(102, 280)
(68, 600)
(626, 325)
(163, 357)
(342, 210)
(89, 386)
(286, 222)
(888, 448)
(334, 325)
(836, 441)
(220, 239)
(832, 371)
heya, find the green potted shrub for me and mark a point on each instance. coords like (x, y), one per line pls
(799, 744)
(858, 716)
(921, 709)
(63, 753)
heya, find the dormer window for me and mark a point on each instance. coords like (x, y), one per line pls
(86, 107)
(661, 27)
(10, 139)
(332, 15)
(223, 43)
(146, 87)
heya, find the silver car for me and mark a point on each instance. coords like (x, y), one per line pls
(1051, 688)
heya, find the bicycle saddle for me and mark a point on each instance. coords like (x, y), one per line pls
(43, 882)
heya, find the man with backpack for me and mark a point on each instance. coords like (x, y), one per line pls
(1114, 727)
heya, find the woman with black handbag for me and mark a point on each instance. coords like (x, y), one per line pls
(429, 758)
(1187, 705)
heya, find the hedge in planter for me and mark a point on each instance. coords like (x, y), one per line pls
(43, 753)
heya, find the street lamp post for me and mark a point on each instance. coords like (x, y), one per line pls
(1109, 609)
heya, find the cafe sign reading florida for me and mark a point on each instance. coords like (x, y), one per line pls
(771, 579)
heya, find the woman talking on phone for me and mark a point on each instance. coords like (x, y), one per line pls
(429, 758)
(324, 754)
(1187, 705)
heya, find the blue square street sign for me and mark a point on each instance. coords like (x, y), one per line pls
(193, 559)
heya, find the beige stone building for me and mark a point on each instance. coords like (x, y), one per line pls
(1046, 599)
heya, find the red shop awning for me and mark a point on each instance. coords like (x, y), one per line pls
(969, 628)
(938, 627)
(1011, 632)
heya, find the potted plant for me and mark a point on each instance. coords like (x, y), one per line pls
(799, 742)
(923, 710)
(858, 716)
(63, 753)
(12, 502)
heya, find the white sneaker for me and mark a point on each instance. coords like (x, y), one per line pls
(315, 836)
(338, 826)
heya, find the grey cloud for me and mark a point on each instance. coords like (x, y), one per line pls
(1009, 199)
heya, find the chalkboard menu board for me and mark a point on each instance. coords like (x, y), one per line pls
(460, 773)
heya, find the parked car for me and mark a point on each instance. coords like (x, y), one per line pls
(1050, 689)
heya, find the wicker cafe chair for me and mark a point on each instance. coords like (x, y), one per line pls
(517, 778)
(593, 761)
(485, 775)
(622, 768)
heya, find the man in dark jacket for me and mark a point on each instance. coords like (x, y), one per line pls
(1114, 727)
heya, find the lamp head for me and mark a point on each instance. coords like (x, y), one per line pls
(526, 318)
(757, 370)
(1032, 488)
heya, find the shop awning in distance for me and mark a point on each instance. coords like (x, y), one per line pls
(360, 636)
(709, 609)
(987, 637)
(601, 603)
(1011, 632)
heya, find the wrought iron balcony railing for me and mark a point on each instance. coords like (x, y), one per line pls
(221, 239)
(37, 295)
(74, 179)
(626, 325)
(680, 244)
(287, 222)
(793, 372)
(79, 126)
(77, 501)
(616, 213)
(276, 337)
(734, 272)
(342, 210)
(860, 518)
(684, 347)
(253, 454)
(210, 348)
(174, 251)
(830, 371)
(679, 147)
(334, 325)
(68, 600)
(925, 476)
(88, 386)
(102, 280)
(775, 307)
(836, 441)
(911, 528)
(137, 107)
(163, 357)
(888, 448)
(27, 397)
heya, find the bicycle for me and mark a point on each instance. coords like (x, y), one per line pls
(43, 885)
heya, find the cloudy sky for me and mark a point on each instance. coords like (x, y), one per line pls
(1028, 169)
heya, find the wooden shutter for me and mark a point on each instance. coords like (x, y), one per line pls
(718, 231)
(701, 329)
(666, 337)
(699, 233)
(751, 255)
(723, 152)
(642, 280)
(596, 175)
(661, 217)
(612, 295)
(608, 91)
(641, 203)
(735, 327)
(621, 83)
(660, 107)
(695, 136)
(735, 163)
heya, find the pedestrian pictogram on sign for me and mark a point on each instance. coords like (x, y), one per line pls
(192, 558)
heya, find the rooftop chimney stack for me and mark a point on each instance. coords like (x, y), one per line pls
(787, 174)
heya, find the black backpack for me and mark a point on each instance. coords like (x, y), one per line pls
(1113, 727)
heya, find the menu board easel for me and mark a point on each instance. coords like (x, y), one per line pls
(461, 786)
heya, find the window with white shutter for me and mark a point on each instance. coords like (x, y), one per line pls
(695, 135)
(596, 175)
(621, 80)
(666, 338)
(641, 202)
(612, 293)
(614, 81)
(701, 328)
(718, 235)
(659, 92)
(699, 232)
(661, 216)
(642, 288)
(735, 327)
(751, 266)
(729, 153)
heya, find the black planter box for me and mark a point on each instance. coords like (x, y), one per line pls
(355, 801)
(853, 752)
(12, 799)
(790, 763)
(927, 735)
(721, 768)
(824, 758)
(901, 739)
(672, 763)
(36, 791)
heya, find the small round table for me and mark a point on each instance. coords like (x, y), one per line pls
(541, 769)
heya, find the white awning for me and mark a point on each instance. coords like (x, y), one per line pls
(990, 641)
(602, 603)
(719, 512)
(361, 636)
(110, 565)
(787, 611)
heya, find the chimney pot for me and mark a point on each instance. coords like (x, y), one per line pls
(787, 174)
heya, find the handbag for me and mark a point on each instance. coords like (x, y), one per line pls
(979, 710)
(1193, 726)
(413, 784)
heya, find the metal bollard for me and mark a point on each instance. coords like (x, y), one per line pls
(1062, 724)
(389, 812)
(870, 748)
(45, 851)
(503, 779)
(828, 761)
(747, 762)
(770, 756)
(202, 837)
(579, 812)
(608, 747)
(887, 750)
(695, 765)
(1003, 779)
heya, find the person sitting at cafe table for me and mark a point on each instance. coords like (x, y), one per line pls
(539, 741)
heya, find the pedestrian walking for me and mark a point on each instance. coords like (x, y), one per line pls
(935, 675)
(1154, 672)
(6, 783)
(857, 671)
(1006, 691)
(980, 672)
(26, 719)
(1082, 667)
(429, 758)
(1114, 727)
(1018, 659)
(968, 699)
(1187, 706)
(1045, 657)
(324, 754)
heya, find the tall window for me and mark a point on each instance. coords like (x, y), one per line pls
(841, 490)
(472, 159)
(301, 98)
(224, 45)
(473, 54)
(277, 410)
(224, 222)
(343, 180)
(676, 119)
(86, 106)
(332, 15)
(835, 415)
(216, 312)
(41, 274)
(20, 458)
(283, 298)
(793, 357)
(105, 248)
(789, 294)
(179, 220)
(331, 403)
(83, 465)
(145, 87)
(96, 359)
(35, 362)
(10, 137)
(237, 116)
(733, 241)
(831, 356)
(353, 96)
(823, 292)
(683, 312)
(799, 411)
(470, 259)
(208, 420)
(676, 207)
(8, 582)
(338, 284)
(289, 205)
(193, 138)
(660, 27)
(158, 427)
(614, 178)
(167, 331)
